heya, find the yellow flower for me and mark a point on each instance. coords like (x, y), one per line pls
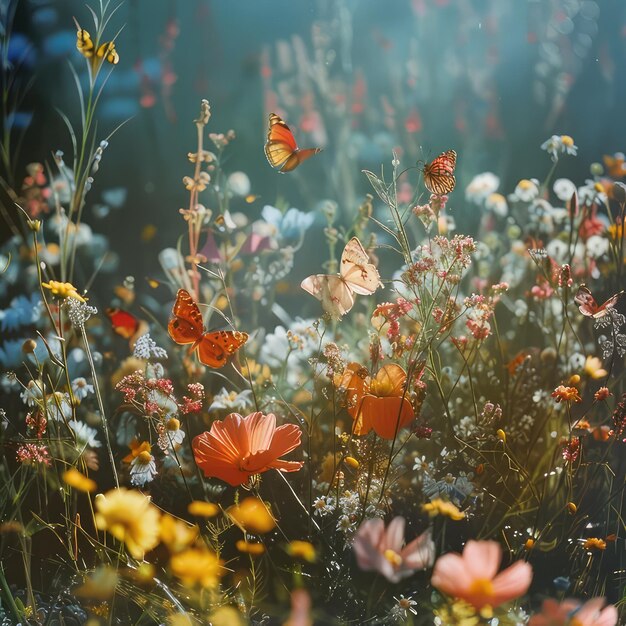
(177, 534)
(252, 548)
(566, 140)
(74, 478)
(615, 231)
(203, 509)
(130, 517)
(593, 543)
(301, 550)
(196, 566)
(593, 368)
(501, 435)
(252, 515)
(226, 616)
(442, 507)
(63, 290)
(259, 374)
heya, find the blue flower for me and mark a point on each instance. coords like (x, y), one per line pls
(11, 355)
(291, 225)
(22, 311)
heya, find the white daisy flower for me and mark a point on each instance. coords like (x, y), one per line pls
(59, 407)
(481, 187)
(559, 144)
(173, 432)
(142, 469)
(231, 400)
(81, 388)
(85, 435)
(526, 190)
(33, 392)
(496, 203)
(564, 188)
(597, 246)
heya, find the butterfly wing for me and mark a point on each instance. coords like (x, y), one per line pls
(356, 270)
(586, 302)
(280, 145)
(609, 304)
(332, 291)
(125, 324)
(439, 173)
(281, 149)
(187, 325)
(215, 348)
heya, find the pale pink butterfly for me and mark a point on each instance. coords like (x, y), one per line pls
(356, 275)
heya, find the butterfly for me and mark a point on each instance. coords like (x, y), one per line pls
(187, 327)
(588, 306)
(439, 173)
(125, 324)
(356, 275)
(281, 149)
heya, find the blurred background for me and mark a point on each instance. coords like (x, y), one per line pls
(490, 78)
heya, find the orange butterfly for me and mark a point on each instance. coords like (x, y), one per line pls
(281, 148)
(356, 275)
(439, 173)
(187, 326)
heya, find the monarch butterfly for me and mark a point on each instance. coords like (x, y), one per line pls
(439, 173)
(281, 149)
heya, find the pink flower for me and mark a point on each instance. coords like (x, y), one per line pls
(553, 613)
(592, 614)
(473, 575)
(571, 613)
(379, 549)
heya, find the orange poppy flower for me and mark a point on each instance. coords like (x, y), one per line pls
(378, 403)
(237, 448)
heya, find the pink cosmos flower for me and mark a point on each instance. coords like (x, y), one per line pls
(383, 550)
(473, 576)
(571, 613)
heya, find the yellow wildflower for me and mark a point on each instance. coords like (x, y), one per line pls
(252, 515)
(196, 566)
(593, 543)
(130, 517)
(177, 534)
(74, 478)
(252, 548)
(301, 550)
(350, 461)
(442, 507)
(63, 290)
(593, 368)
(203, 509)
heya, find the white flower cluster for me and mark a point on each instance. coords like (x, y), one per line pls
(146, 348)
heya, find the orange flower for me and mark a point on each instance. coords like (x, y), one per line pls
(237, 448)
(384, 405)
(566, 393)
